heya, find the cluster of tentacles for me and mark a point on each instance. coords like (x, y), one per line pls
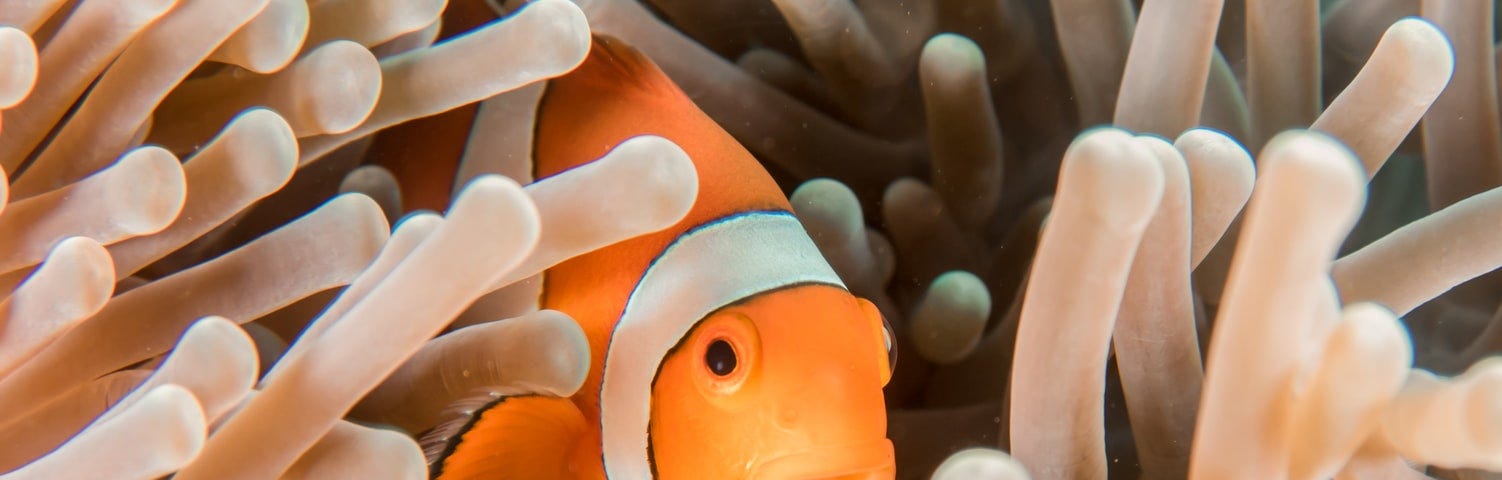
(1166, 238)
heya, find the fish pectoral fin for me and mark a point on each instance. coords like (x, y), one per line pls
(516, 437)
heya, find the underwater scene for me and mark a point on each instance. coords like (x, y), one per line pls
(750, 239)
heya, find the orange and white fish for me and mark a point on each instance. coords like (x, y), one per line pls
(723, 347)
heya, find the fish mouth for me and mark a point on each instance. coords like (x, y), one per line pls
(865, 461)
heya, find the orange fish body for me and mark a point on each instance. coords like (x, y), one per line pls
(722, 347)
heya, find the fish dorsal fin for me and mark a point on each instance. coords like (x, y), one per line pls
(617, 93)
(614, 65)
(456, 420)
(509, 437)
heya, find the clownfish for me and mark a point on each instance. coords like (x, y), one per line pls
(722, 347)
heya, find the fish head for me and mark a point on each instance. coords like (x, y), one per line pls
(786, 384)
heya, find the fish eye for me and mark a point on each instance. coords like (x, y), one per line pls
(720, 357)
(726, 353)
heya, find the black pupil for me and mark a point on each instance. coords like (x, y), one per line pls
(720, 358)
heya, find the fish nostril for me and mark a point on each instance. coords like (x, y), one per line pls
(787, 418)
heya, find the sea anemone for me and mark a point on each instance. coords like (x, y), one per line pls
(1160, 238)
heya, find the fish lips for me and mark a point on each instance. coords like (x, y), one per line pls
(866, 461)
